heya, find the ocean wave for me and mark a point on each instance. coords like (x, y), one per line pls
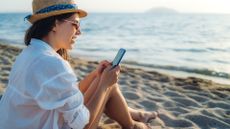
(219, 49)
(189, 50)
(104, 49)
(206, 72)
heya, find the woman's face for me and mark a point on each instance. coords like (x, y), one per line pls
(66, 32)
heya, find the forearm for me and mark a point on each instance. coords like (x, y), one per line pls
(96, 101)
(91, 89)
(85, 83)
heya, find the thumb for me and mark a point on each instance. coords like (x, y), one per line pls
(108, 68)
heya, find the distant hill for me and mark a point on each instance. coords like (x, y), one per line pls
(162, 10)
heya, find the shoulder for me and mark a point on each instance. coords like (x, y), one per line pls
(51, 72)
(49, 64)
(54, 62)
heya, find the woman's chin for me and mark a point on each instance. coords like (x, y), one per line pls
(71, 46)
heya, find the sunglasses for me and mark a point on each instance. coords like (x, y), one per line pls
(75, 23)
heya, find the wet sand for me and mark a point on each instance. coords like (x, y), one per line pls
(183, 102)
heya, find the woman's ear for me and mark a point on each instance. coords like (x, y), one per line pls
(54, 29)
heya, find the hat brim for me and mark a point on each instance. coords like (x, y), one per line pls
(35, 17)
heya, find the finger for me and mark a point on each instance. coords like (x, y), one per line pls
(108, 68)
(100, 69)
(105, 62)
(103, 68)
(102, 65)
(114, 70)
(117, 68)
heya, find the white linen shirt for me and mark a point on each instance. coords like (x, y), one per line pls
(41, 87)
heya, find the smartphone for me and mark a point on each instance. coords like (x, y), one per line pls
(118, 57)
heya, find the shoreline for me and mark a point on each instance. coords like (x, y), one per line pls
(183, 102)
(176, 73)
(173, 73)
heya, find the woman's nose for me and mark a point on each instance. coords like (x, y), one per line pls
(78, 32)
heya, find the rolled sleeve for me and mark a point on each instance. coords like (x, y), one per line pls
(76, 118)
(75, 114)
(61, 93)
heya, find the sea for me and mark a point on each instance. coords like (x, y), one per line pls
(179, 44)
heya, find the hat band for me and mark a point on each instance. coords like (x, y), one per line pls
(57, 8)
(52, 8)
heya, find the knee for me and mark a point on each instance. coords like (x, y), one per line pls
(115, 86)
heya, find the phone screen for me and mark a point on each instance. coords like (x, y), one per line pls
(118, 57)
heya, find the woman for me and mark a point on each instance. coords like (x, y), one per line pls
(42, 92)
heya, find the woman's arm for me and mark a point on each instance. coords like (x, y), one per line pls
(95, 100)
(86, 82)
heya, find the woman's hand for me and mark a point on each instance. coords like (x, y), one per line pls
(102, 65)
(110, 76)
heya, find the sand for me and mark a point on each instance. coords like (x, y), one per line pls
(182, 102)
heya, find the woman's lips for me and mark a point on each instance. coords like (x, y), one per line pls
(74, 39)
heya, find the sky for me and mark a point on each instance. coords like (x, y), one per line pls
(186, 6)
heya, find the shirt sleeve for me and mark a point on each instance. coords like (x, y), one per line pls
(69, 102)
(75, 114)
(59, 91)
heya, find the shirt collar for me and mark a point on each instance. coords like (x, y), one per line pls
(40, 44)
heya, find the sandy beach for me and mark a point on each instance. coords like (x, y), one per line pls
(182, 102)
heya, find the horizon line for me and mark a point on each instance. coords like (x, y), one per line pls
(145, 12)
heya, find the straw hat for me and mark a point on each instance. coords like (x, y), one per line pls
(46, 8)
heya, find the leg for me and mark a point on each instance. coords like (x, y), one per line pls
(137, 115)
(126, 120)
(113, 97)
(117, 109)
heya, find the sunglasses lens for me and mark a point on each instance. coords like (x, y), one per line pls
(75, 23)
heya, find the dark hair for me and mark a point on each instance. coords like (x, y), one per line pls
(42, 27)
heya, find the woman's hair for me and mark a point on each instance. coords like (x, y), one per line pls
(41, 28)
